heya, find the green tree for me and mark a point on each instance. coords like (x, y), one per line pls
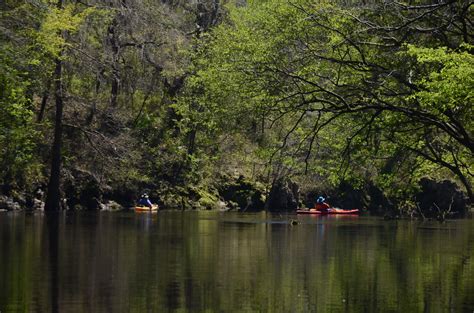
(16, 134)
(314, 71)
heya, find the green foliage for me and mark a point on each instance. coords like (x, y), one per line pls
(58, 21)
(325, 92)
(17, 136)
(448, 83)
(321, 93)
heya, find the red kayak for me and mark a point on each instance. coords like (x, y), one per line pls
(328, 211)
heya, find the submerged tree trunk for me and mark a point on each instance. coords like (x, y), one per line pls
(53, 197)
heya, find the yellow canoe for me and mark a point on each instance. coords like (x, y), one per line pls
(144, 209)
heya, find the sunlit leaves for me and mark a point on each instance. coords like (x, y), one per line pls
(56, 23)
(448, 83)
(16, 132)
(379, 101)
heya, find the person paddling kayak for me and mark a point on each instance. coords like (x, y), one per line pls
(321, 205)
(145, 201)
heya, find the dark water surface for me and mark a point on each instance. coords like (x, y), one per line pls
(229, 262)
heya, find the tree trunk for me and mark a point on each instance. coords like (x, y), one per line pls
(53, 197)
(191, 141)
(113, 40)
(44, 102)
(114, 90)
(465, 181)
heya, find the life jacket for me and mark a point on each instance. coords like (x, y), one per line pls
(144, 201)
(321, 206)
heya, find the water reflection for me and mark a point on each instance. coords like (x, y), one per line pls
(207, 261)
(52, 222)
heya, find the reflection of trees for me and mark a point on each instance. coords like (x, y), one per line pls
(52, 222)
(270, 267)
(19, 254)
(193, 262)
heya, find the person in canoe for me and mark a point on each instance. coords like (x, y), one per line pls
(321, 205)
(145, 201)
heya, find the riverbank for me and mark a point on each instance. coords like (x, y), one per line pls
(439, 200)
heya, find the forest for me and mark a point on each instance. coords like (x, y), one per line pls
(238, 105)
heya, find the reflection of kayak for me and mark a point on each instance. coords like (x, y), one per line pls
(328, 211)
(144, 209)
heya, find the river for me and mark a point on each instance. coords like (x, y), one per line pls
(231, 262)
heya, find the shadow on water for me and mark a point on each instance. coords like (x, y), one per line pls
(173, 293)
(52, 223)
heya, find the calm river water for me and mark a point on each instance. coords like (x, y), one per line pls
(230, 262)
